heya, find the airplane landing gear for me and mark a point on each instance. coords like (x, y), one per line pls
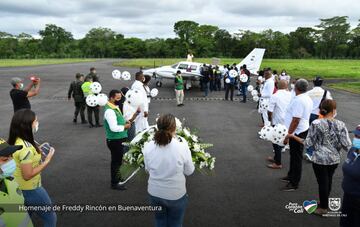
(158, 83)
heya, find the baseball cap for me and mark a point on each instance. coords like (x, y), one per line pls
(357, 131)
(15, 81)
(6, 149)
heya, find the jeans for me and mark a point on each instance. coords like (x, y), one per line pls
(277, 153)
(244, 90)
(172, 213)
(324, 175)
(80, 108)
(212, 85)
(296, 157)
(313, 117)
(229, 87)
(351, 208)
(218, 85)
(39, 197)
(96, 111)
(206, 88)
(117, 151)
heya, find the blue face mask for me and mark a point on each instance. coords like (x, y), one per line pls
(356, 143)
(8, 168)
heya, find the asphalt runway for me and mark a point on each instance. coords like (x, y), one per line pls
(242, 192)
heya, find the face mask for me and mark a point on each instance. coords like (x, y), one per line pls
(292, 86)
(356, 143)
(283, 74)
(8, 168)
(21, 86)
(36, 127)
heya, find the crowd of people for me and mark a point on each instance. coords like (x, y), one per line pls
(310, 118)
(309, 115)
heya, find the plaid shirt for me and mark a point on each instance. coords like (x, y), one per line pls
(327, 137)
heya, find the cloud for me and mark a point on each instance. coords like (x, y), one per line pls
(151, 18)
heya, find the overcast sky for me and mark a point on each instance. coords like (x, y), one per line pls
(155, 18)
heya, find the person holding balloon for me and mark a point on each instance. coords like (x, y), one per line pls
(86, 88)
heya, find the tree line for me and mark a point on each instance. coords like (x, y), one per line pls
(331, 38)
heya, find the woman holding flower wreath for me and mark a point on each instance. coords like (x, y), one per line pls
(167, 160)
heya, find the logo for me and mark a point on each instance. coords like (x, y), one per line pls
(334, 204)
(310, 206)
(294, 207)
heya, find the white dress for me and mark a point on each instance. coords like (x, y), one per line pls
(141, 122)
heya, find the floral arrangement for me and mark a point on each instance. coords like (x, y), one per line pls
(202, 160)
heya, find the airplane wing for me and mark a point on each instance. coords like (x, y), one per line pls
(253, 60)
(191, 75)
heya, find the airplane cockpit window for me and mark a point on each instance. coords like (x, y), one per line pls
(174, 65)
(183, 66)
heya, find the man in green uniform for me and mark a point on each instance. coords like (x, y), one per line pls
(76, 92)
(10, 196)
(93, 75)
(179, 89)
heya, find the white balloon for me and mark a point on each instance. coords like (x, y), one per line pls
(116, 74)
(263, 105)
(256, 98)
(280, 132)
(92, 100)
(154, 92)
(243, 78)
(233, 73)
(126, 75)
(250, 88)
(267, 133)
(134, 98)
(227, 80)
(260, 78)
(95, 87)
(102, 99)
(254, 93)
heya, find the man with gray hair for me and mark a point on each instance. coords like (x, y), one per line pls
(297, 121)
(19, 95)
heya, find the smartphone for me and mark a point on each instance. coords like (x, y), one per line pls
(45, 149)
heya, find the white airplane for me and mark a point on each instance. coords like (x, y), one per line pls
(190, 71)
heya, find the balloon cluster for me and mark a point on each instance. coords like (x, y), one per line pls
(97, 98)
(117, 75)
(244, 78)
(263, 105)
(274, 134)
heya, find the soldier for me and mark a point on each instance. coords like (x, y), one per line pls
(93, 75)
(76, 92)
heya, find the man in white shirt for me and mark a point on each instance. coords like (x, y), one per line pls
(297, 121)
(317, 95)
(266, 93)
(278, 105)
(141, 122)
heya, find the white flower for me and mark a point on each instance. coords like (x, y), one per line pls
(207, 155)
(178, 124)
(202, 165)
(151, 137)
(194, 138)
(137, 138)
(197, 147)
(186, 132)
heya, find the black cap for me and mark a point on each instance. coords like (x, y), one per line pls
(6, 149)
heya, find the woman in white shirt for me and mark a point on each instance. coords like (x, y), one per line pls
(168, 160)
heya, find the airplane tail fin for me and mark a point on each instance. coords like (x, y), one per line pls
(253, 60)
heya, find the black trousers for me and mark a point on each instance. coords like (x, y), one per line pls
(96, 111)
(296, 157)
(277, 153)
(117, 151)
(229, 88)
(351, 208)
(324, 175)
(80, 108)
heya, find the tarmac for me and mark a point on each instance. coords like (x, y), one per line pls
(241, 192)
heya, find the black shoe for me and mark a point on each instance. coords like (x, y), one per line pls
(289, 188)
(98, 125)
(84, 122)
(91, 126)
(74, 121)
(182, 104)
(285, 179)
(118, 187)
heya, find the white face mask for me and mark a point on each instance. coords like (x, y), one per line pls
(21, 86)
(36, 127)
(292, 86)
(283, 74)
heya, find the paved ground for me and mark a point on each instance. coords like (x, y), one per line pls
(243, 192)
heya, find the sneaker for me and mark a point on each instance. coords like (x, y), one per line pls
(289, 188)
(307, 157)
(74, 121)
(285, 179)
(274, 166)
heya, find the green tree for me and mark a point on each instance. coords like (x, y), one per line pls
(55, 40)
(99, 43)
(186, 31)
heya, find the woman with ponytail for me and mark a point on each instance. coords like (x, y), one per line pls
(167, 160)
(326, 136)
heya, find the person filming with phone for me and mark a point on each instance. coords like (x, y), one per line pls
(20, 95)
(30, 163)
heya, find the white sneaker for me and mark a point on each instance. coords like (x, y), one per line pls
(307, 157)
